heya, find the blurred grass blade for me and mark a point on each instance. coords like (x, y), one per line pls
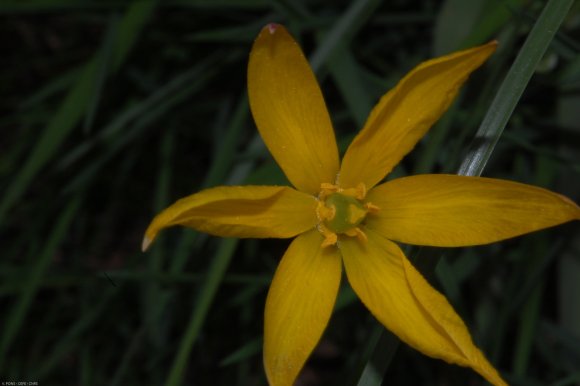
(15, 317)
(454, 22)
(173, 91)
(226, 145)
(74, 106)
(152, 293)
(343, 30)
(346, 73)
(67, 116)
(150, 110)
(245, 33)
(204, 300)
(491, 129)
(103, 64)
(379, 352)
(250, 349)
(72, 339)
(130, 27)
(495, 15)
(513, 86)
(224, 158)
(56, 85)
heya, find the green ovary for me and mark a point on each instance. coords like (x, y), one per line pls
(349, 212)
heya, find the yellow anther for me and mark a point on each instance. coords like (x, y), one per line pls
(356, 214)
(359, 192)
(327, 189)
(371, 208)
(330, 238)
(328, 186)
(358, 233)
(324, 212)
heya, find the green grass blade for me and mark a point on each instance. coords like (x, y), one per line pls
(513, 86)
(55, 86)
(346, 73)
(227, 144)
(204, 300)
(250, 349)
(68, 115)
(71, 340)
(343, 30)
(152, 293)
(103, 64)
(380, 351)
(74, 106)
(136, 16)
(455, 21)
(31, 284)
(217, 173)
(494, 17)
(135, 121)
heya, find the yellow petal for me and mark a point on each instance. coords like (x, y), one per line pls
(451, 211)
(400, 298)
(240, 211)
(299, 305)
(404, 114)
(289, 110)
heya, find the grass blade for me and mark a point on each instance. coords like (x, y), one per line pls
(343, 30)
(204, 300)
(74, 106)
(32, 282)
(513, 86)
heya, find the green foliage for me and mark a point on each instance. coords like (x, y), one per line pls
(114, 109)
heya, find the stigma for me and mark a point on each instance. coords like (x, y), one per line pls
(342, 212)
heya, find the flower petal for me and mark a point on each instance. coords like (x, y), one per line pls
(404, 302)
(451, 211)
(240, 211)
(404, 114)
(299, 305)
(289, 110)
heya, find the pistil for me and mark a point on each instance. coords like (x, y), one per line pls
(341, 211)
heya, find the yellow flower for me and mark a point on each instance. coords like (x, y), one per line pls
(341, 216)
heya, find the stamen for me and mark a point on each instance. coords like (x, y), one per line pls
(327, 189)
(371, 208)
(323, 212)
(359, 192)
(330, 238)
(358, 233)
(329, 186)
(356, 214)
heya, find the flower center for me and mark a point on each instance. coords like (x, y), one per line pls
(341, 211)
(348, 212)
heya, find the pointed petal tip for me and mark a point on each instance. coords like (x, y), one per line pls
(488, 48)
(272, 27)
(146, 243)
(492, 45)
